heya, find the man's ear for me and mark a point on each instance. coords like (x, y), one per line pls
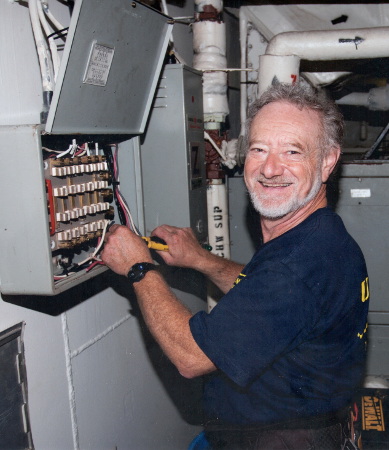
(329, 163)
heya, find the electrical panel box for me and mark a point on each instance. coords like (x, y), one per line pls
(58, 179)
(56, 209)
(172, 154)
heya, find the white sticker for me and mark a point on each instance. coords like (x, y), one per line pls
(360, 193)
(99, 64)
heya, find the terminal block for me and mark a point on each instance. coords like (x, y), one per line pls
(79, 195)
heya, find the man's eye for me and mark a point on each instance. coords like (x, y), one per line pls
(293, 152)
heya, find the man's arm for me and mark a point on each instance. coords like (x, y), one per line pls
(166, 317)
(185, 251)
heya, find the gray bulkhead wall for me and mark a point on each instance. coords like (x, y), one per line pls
(96, 379)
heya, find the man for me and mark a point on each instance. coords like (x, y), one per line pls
(285, 347)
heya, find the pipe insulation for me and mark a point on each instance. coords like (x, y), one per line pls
(332, 45)
(202, 5)
(281, 69)
(209, 45)
(218, 229)
(377, 99)
(243, 75)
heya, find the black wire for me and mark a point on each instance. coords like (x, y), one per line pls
(58, 34)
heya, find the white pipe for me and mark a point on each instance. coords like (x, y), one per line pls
(218, 218)
(282, 69)
(355, 99)
(217, 4)
(209, 45)
(377, 99)
(332, 45)
(218, 226)
(243, 63)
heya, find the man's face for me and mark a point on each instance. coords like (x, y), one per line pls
(283, 169)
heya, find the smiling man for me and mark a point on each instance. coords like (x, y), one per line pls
(285, 347)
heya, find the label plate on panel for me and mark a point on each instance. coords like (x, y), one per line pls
(360, 193)
(99, 64)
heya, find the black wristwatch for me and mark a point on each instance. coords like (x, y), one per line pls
(139, 270)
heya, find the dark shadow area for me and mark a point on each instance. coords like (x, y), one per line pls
(333, 187)
(57, 304)
(253, 224)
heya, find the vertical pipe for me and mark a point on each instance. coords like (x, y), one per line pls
(273, 69)
(209, 45)
(218, 227)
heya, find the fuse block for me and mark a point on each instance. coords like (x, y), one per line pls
(79, 206)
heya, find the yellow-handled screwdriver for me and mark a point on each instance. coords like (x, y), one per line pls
(156, 243)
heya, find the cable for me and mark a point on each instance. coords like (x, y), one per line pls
(97, 249)
(52, 44)
(43, 54)
(58, 25)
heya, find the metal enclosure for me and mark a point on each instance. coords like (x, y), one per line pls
(363, 205)
(112, 59)
(110, 68)
(172, 154)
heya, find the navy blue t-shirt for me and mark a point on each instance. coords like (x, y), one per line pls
(289, 339)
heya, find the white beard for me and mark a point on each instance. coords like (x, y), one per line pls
(291, 205)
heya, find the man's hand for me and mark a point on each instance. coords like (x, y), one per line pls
(184, 249)
(122, 249)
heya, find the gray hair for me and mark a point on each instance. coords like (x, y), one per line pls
(303, 96)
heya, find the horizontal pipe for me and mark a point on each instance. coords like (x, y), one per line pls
(332, 45)
(377, 99)
(355, 99)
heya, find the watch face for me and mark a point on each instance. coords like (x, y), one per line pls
(138, 271)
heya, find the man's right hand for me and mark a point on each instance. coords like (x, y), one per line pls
(184, 249)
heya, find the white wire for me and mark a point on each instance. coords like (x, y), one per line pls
(53, 20)
(72, 149)
(43, 53)
(97, 249)
(52, 44)
(60, 155)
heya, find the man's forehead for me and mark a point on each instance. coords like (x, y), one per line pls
(285, 113)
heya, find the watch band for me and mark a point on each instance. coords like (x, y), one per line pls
(139, 270)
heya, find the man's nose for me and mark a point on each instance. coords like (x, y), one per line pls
(271, 166)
